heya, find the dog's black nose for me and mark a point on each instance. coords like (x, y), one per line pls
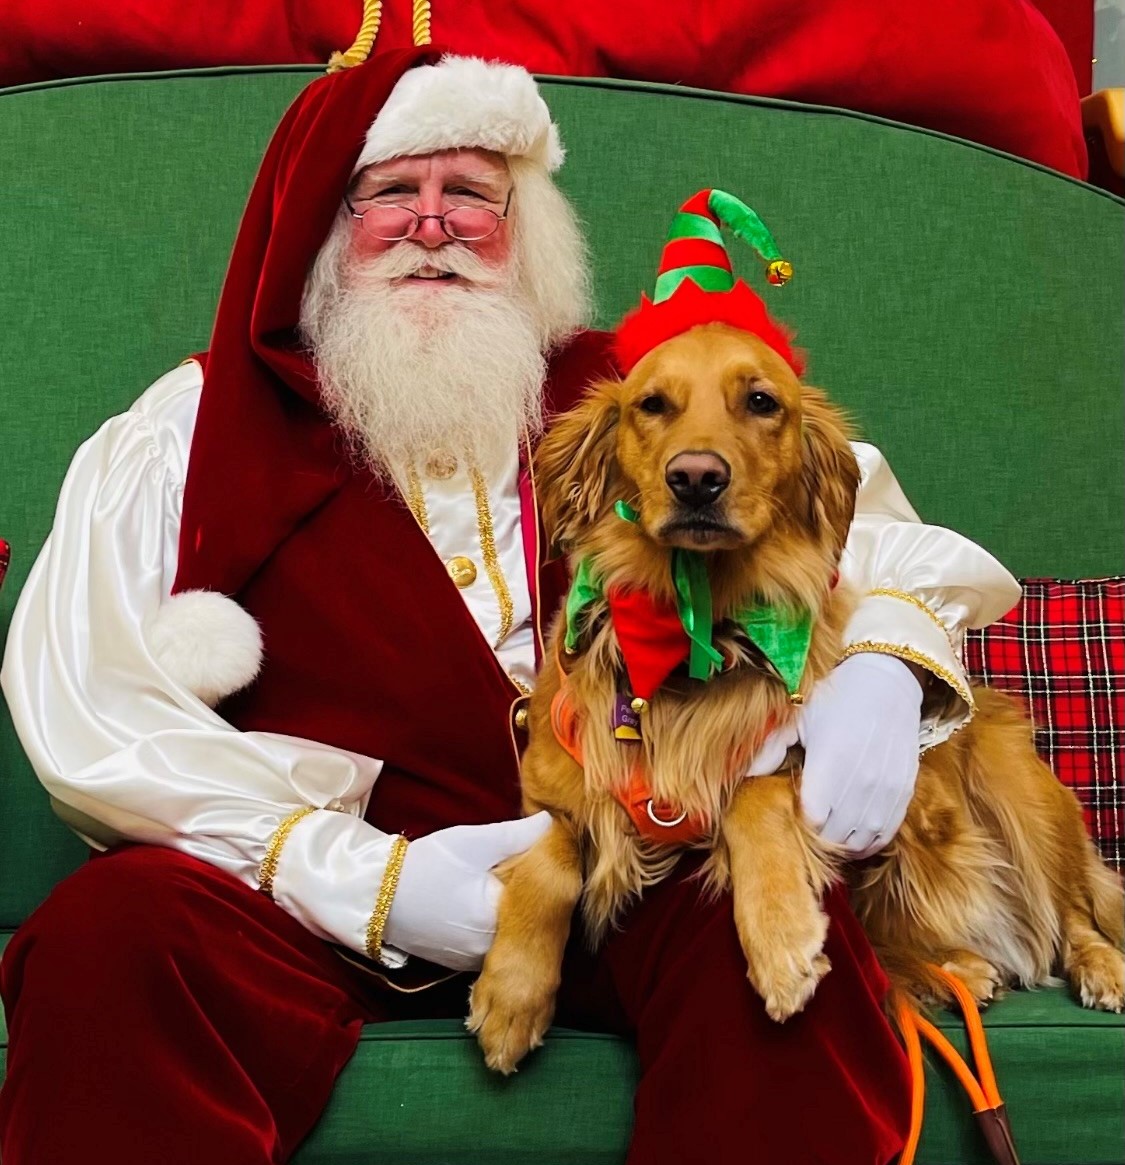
(697, 479)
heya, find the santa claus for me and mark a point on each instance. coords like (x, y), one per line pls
(273, 663)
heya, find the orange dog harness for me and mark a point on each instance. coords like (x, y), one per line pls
(654, 820)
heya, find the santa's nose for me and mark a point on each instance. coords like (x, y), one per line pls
(697, 478)
(430, 234)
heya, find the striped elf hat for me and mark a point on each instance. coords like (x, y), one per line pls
(695, 284)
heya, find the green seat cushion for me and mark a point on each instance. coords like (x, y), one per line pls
(418, 1093)
(1059, 1068)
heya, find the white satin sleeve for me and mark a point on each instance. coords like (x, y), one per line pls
(921, 587)
(124, 750)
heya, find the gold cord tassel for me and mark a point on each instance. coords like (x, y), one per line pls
(364, 40)
(421, 24)
(369, 30)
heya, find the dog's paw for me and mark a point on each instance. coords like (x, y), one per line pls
(786, 968)
(1098, 977)
(785, 997)
(507, 1022)
(977, 973)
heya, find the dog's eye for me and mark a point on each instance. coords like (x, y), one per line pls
(761, 404)
(653, 404)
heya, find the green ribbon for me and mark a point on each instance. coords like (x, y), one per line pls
(693, 605)
(782, 635)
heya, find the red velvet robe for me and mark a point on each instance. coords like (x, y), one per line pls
(395, 666)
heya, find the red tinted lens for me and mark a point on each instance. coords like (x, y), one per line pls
(469, 222)
(389, 222)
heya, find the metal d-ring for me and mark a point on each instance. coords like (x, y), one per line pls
(658, 821)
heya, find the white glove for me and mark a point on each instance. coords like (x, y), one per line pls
(444, 908)
(860, 734)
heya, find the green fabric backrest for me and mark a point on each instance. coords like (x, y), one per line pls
(965, 306)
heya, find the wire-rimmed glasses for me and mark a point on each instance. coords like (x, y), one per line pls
(465, 224)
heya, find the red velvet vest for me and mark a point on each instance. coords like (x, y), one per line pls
(370, 647)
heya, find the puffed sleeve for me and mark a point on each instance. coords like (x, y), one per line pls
(123, 747)
(921, 587)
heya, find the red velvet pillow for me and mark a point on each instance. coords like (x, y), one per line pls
(4, 554)
(992, 71)
(1063, 649)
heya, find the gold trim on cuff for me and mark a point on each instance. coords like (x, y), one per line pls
(267, 871)
(912, 656)
(914, 601)
(386, 895)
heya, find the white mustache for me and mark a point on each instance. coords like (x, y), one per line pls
(404, 260)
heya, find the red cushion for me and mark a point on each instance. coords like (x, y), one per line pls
(1063, 648)
(3, 560)
(993, 71)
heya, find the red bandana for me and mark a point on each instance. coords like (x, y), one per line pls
(652, 639)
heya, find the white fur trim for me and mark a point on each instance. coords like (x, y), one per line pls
(462, 103)
(207, 643)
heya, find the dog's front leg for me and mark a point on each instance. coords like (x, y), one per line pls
(514, 999)
(776, 888)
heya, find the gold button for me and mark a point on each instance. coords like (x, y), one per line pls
(521, 718)
(462, 570)
(441, 465)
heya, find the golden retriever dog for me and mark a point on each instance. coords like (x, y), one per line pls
(718, 447)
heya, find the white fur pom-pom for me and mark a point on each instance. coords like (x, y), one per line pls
(207, 643)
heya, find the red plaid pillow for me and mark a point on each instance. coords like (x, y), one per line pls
(1063, 649)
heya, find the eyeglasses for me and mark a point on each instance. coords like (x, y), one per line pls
(465, 224)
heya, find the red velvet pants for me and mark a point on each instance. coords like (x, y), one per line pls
(161, 1011)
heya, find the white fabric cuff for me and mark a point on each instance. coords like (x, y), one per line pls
(329, 870)
(896, 623)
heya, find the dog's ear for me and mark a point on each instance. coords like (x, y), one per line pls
(829, 470)
(575, 464)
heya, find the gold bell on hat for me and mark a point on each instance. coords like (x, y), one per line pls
(779, 272)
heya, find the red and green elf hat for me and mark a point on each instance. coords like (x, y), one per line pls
(695, 284)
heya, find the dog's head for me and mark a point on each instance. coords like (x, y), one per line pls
(716, 444)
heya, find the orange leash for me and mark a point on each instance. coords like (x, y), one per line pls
(988, 1105)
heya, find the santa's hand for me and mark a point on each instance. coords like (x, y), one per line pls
(860, 732)
(773, 750)
(444, 908)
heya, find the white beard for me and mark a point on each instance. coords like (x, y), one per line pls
(408, 370)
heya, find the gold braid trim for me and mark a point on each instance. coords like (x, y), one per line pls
(421, 23)
(375, 927)
(416, 500)
(267, 871)
(912, 656)
(914, 601)
(491, 558)
(364, 39)
(416, 503)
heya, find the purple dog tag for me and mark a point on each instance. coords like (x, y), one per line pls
(626, 723)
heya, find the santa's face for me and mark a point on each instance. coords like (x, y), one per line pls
(432, 343)
(432, 185)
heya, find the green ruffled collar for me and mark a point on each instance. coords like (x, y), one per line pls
(781, 635)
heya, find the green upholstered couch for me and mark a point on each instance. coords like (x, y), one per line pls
(966, 306)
